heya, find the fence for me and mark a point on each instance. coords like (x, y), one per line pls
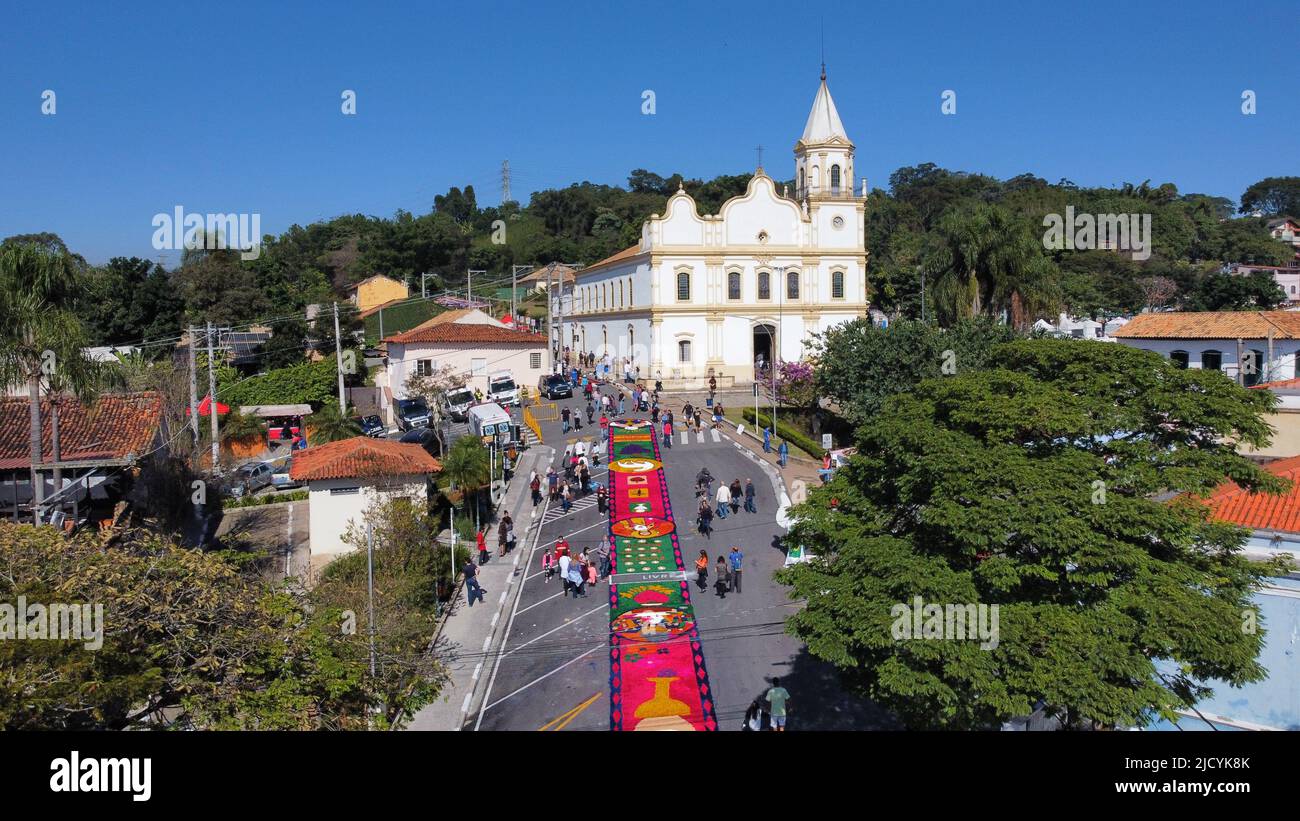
(531, 421)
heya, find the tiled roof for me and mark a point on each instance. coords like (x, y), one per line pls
(112, 428)
(625, 254)
(361, 457)
(453, 333)
(1277, 385)
(1213, 325)
(1261, 511)
(558, 271)
(372, 278)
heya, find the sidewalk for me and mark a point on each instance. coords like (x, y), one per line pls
(467, 635)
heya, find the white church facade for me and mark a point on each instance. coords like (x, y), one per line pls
(718, 295)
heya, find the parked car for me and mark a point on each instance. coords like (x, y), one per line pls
(372, 426)
(280, 478)
(412, 414)
(555, 386)
(502, 389)
(456, 403)
(426, 438)
(249, 479)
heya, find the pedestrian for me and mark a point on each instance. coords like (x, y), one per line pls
(577, 422)
(561, 547)
(753, 718)
(620, 404)
(510, 534)
(548, 565)
(783, 453)
(688, 414)
(591, 412)
(706, 516)
(749, 496)
(564, 417)
(713, 384)
(604, 427)
(472, 589)
(736, 493)
(564, 561)
(535, 485)
(723, 498)
(553, 483)
(503, 533)
(733, 560)
(602, 556)
(767, 440)
(602, 498)
(584, 479)
(580, 448)
(777, 697)
(724, 578)
(566, 497)
(668, 434)
(593, 574)
(481, 539)
(654, 415)
(702, 570)
(697, 420)
(577, 581)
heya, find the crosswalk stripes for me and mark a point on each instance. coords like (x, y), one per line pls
(579, 505)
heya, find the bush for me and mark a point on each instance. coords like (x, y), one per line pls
(264, 499)
(787, 432)
(310, 383)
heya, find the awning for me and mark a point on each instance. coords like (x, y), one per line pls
(205, 407)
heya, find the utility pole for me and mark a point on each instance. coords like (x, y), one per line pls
(559, 308)
(338, 356)
(550, 332)
(469, 283)
(194, 386)
(212, 401)
(780, 323)
(514, 288)
(370, 581)
(505, 181)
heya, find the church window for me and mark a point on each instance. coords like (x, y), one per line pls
(684, 287)
(803, 182)
(684, 351)
(835, 179)
(792, 285)
(629, 292)
(620, 293)
(764, 285)
(837, 284)
(733, 285)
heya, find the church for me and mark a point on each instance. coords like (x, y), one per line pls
(724, 295)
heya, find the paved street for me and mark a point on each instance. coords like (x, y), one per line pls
(552, 672)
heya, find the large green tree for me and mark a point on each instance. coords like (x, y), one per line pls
(1037, 484)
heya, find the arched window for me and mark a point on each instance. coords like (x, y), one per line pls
(835, 179)
(803, 182)
(620, 293)
(1179, 358)
(629, 292)
(1211, 360)
(837, 284)
(792, 285)
(764, 285)
(684, 350)
(683, 287)
(733, 285)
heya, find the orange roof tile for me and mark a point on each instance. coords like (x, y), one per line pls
(453, 333)
(1280, 383)
(114, 427)
(361, 457)
(1213, 325)
(1261, 511)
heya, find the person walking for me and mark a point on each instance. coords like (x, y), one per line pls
(563, 562)
(566, 497)
(706, 516)
(602, 498)
(481, 540)
(668, 434)
(564, 417)
(535, 485)
(767, 440)
(688, 414)
(577, 581)
(783, 453)
(591, 412)
(553, 483)
(702, 570)
(734, 560)
(584, 478)
(548, 565)
(777, 697)
(750, 505)
(472, 589)
(698, 427)
(620, 404)
(724, 577)
(736, 494)
(723, 498)
(503, 533)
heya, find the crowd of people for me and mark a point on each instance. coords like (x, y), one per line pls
(727, 500)
(576, 572)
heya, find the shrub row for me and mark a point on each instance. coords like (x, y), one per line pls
(789, 433)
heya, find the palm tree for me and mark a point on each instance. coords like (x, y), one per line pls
(41, 337)
(329, 425)
(466, 467)
(240, 429)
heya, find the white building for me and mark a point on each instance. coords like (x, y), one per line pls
(346, 478)
(711, 295)
(470, 343)
(1260, 346)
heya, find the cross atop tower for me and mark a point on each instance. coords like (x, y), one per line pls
(759, 149)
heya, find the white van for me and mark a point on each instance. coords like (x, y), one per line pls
(489, 419)
(502, 388)
(457, 401)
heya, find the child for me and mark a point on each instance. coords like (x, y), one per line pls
(548, 564)
(592, 575)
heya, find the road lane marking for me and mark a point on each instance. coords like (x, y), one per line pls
(601, 606)
(567, 716)
(541, 678)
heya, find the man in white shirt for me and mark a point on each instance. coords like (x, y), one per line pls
(723, 498)
(564, 571)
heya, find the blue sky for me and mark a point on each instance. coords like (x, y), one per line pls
(236, 108)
